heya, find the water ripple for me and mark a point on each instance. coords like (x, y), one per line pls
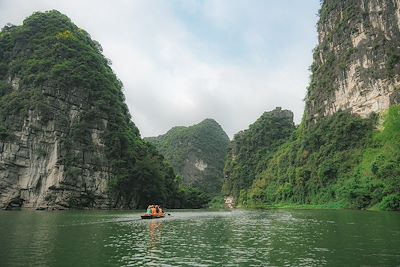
(201, 238)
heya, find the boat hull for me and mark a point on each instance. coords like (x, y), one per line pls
(149, 216)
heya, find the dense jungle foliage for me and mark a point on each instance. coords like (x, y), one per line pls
(342, 161)
(251, 149)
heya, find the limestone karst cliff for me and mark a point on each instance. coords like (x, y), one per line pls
(345, 151)
(197, 153)
(356, 64)
(66, 136)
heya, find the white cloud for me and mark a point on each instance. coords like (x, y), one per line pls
(174, 75)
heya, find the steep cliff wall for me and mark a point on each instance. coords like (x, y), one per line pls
(343, 154)
(66, 138)
(356, 64)
(36, 168)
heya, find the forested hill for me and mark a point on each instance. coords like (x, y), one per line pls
(345, 153)
(251, 149)
(66, 135)
(197, 154)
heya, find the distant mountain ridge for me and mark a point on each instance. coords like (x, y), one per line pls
(196, 153)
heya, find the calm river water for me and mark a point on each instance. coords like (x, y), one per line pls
(200, 238)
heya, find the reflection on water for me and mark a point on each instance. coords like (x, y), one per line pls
(155, 234)
(201, 238)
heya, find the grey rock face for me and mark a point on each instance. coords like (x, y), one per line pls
(33, 169)
(356, 64)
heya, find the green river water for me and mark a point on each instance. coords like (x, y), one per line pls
(200, 238)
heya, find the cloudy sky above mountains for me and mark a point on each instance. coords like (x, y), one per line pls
(185, 60)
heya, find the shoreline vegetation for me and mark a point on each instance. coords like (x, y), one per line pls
(291, 206)
(217, 203)
(282, 206)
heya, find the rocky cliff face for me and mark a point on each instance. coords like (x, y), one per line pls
(34, 171)
(38, 118)
(197, 153)
(356, 64)
(338, 157)
(66, 138)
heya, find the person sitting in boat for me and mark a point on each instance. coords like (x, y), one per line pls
(153, 210)
(149, 210)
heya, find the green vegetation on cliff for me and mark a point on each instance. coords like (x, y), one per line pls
(54, 70)
(376, 179)
(305, 168)
(336, 158)
(197, 154)
(251, 150)
(342, 161)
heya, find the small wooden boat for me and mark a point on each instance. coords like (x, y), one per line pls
(150, 216)
(153, 212)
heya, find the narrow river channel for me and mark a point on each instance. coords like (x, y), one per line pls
(200, 238)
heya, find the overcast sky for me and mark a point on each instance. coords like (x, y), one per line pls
(182, 61)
